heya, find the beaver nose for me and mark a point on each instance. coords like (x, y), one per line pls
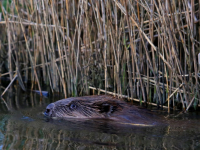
(49, 109)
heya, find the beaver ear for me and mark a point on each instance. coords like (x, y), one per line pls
(106, 107)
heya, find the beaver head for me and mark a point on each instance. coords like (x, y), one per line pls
(99, 107)
(85, 107)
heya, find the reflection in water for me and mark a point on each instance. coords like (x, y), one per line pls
(25, 127)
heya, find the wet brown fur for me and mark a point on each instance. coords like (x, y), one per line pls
(99, 107)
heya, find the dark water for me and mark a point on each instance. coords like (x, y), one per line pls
(23, 126)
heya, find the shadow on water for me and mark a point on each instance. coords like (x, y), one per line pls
(23, 126)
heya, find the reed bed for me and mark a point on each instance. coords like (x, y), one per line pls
(144, 49)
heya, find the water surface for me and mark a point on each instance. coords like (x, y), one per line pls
(23, 126)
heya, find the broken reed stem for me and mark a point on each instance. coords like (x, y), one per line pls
(174, 92)
(15, 76)
(123, 96)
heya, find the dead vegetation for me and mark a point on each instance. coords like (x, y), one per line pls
(140, 49)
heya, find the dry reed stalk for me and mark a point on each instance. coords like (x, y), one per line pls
(105, 43)
(15, 76)
(9, 45)
(193, 34)
(30, 56)
(7, 106)
(192, 100)
(183, 105)
(135, 57)
(83, 43)
(122, 96)
(55, 20)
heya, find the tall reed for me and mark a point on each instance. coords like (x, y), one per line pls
(126, 47)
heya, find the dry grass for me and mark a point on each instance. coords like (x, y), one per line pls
(145, 49)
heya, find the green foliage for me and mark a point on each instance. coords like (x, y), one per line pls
(5, 4)
(167, 90)
(124, 79)
(149, 97)
(140, 99)
(125, 41)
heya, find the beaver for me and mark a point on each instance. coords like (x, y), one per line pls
(100, 107)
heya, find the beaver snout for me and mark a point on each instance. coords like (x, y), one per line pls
(49, 110)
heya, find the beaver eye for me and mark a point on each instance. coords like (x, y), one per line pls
(48, 110)
(72, 106)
